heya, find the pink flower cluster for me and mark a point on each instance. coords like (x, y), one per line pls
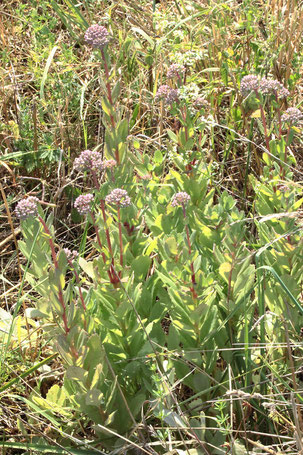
(272, 86)
(27, 207)
(70, 255)
(88, 160)
(83, 203)
(249, 83)
(200, 102)
(108, 164)
(97, 36)
(181, 198)
(252, 83)
(118, 197)
(167, 94)
(175, 70)
(292, 115)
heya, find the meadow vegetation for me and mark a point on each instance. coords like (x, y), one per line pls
(151, 227)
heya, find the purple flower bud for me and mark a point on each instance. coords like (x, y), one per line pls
(108, 164)
(118, 197)
(167, 94)
(292, 115)
(70, 255)
(88, 160)
(181, 198)
(83, 203)
(27, 207)
(175, 70)
(249, 84)
(97, 36)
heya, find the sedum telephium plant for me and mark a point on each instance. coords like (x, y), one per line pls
(267, 96)
(97, 37)
(170, 281)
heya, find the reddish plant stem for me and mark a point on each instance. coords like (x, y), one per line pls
(97, 185)
(185, 126)
(106, 228)
(108, 240)
(286, 145)
(110, 99)
(120, 238)
(264, 127)
(95, 179)
(111, 274)
(55, 261)
(109, 92)
(263, 121)
(279, 116)
(285, 154)
(98, 236)
(78, 283)
(193, 276)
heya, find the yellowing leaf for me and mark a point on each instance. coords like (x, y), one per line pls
(224, 270)
(256, 114)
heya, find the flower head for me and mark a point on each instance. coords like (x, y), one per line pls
(70, 255)
(181, 198)
(249, 84)
(83, 203)
(175, 70)
(108, 164)
(200, 102)
(27, 207)
(167, 94)
(272, 86)
(97, 36)
(88, 160)
(118, 197)
(292, 115)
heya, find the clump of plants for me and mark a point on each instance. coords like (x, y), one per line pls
(177, 312)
